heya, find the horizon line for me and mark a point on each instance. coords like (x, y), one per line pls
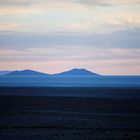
(69, 70)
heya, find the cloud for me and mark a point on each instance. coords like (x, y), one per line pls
(102, 25)
(104, 61)
(14, 2)
(38, 5)
(71, 53)
(94, 2)
(41, 16)
(118, 39)
(110, 2)
(6, 26)
(90, 2)
(84, 33)
(110, 67)
(124, 22)
(70, 18)
(77, 27)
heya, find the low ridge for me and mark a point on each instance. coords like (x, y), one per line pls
(74, 72)
(77, 72)
(26, 73)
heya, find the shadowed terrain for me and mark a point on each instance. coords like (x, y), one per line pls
(25, 116)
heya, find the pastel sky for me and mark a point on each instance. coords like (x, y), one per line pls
(56, 35)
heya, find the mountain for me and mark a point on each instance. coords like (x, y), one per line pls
(4, 72)
(26, 73)
(72, 73)
(77, 72)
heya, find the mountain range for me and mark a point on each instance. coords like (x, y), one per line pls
(26, 73)
(73, 73)
(4, 72)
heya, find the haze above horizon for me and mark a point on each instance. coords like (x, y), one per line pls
(52, 36)
(75, 71)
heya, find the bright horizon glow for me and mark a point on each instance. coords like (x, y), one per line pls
(53, 36)
(56, 72)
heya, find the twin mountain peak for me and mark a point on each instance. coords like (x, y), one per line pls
(73, 72)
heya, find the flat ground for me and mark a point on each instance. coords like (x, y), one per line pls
(66, 117)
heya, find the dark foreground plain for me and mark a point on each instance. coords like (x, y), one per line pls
(78, 113)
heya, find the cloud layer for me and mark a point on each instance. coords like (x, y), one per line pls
(55, 35)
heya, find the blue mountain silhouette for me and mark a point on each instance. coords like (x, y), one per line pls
(73, 73)
(26, 73)
(4, 72)
(77, 72)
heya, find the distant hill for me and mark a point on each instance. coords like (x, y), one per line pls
(26, 73)
(77, 72)
(70, 73)
(4, 72)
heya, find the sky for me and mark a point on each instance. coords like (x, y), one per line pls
(57, 35)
